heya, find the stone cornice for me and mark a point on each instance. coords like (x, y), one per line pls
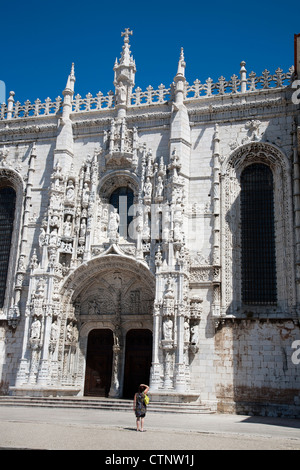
(214, 109)
(33, 129)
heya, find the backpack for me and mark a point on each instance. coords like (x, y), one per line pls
(146, 400)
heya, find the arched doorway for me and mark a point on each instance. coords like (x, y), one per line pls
(138, 358)
(99, 363)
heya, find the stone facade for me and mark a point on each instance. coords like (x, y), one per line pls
(180, 153)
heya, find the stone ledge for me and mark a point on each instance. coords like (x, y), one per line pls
(28, 391)
(174, 397)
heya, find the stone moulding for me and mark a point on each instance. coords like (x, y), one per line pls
(231, 170)
(108, 260)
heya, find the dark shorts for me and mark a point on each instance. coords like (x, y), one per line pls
(140, 415)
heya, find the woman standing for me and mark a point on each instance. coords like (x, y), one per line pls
(139, 406)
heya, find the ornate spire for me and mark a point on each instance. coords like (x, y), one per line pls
(68, 95)
(179, 79)
(181, 64)
(124, 73)
(126, 58)
(71, 80)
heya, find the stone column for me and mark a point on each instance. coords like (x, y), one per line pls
(22, 375)
(114, 391)
(180, 382)
(155, 380)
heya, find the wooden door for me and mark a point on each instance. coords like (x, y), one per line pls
(99, 363)
(138, 358)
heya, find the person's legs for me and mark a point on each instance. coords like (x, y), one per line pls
(142, 424)
(137, 423)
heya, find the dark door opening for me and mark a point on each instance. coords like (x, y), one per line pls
(138, 358)
(99, 363)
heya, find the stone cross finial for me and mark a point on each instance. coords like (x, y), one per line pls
(127, 33)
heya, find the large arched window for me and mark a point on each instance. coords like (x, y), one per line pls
(258, 259)
(122, 199)
(7, 215)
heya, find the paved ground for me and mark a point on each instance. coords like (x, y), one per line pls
(78, 429)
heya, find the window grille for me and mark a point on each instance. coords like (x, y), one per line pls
(258, 236)
(7, 212)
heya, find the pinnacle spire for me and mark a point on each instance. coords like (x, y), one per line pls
(71, 80)
(124, 72)
(181, 64)
(126, 58)
(68, 95)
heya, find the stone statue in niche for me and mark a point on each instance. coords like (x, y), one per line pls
(186, 332)
(159, 187)
(72, 333)
(35, 331)
(54, 331)
(113, 224)
(121, 93)
(67, 228)
(194, 335)
(82, 228)
(168, 329)
(70, 192)
(148, 188)
(85, 195)
(42, 237)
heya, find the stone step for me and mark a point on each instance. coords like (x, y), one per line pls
(112, 404)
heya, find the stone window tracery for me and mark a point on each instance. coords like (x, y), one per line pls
(258, 153)
(258, 259)
(7, 216)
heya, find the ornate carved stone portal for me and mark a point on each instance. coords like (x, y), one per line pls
(128, 239)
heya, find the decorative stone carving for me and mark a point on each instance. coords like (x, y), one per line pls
(173, 147)
(113, 225)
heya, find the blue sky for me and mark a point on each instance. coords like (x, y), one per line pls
(40, 40)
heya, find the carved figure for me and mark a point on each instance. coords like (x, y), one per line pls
(148, 188)
(70, 191)
(70, 332)
(121, 93)
(82, 228)
(35, 331)
(113, 224)
(186, 332)
(85, 195)
(167, 329)
(159, 187)
(54, 331)
(67, 226)
(42, 237)
(194, 334)
(53, 237)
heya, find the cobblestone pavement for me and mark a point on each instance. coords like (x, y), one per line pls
(78, 429)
